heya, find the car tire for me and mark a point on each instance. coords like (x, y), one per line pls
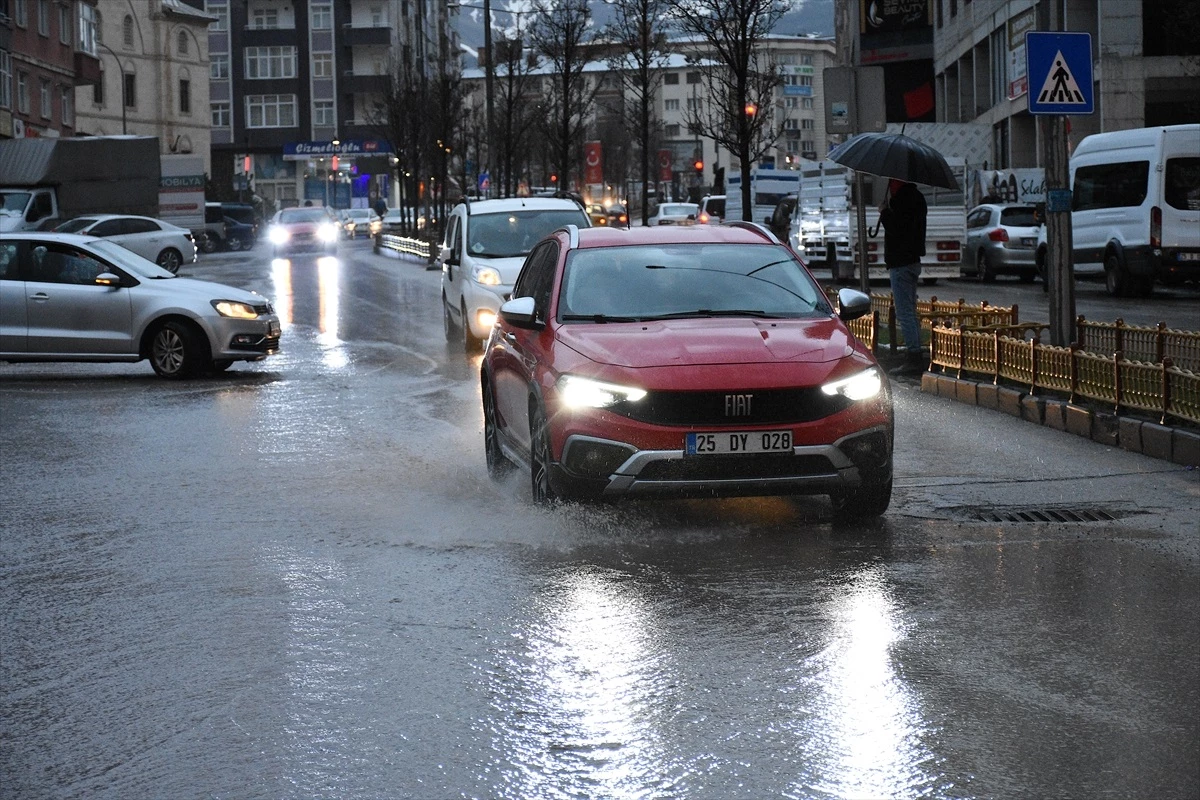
(1116, 280)
(471, 343)
(234, 243)
(208, 243)
(865, 502)
(177, 350)
(170, 260)
(1041, 269)
(539, 459)
(983, 268)
(448, 326)
(1028, 276)
(498, 466)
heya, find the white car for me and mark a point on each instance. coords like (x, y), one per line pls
(485, 247)
(167, 245)
(365, 222)
(65, 297)
(675, 214)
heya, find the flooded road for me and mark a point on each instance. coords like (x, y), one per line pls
(296, 580)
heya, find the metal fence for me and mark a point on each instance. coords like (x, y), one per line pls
(412, 247)
(1139, 343)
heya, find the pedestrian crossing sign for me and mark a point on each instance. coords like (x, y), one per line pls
(1059, 66)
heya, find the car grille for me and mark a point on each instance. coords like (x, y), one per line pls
(766, 407)
(739, 467)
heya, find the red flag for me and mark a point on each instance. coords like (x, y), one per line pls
(919, 102)
(665, 162)
(593, 171)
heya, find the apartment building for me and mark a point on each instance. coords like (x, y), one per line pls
(46, 50)
(297, 94)
(153, 80)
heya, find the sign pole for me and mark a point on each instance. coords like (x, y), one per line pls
(1059, 267)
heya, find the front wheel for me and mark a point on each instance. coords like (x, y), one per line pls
(1116, 279)
(170, 260)
(234, 242)
(864, 502)
(539, 459)
(176, 351)
(448, 326)
(983, 268)
(209, 243)
(498, 466)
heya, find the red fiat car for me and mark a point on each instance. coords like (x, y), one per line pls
(684, 362)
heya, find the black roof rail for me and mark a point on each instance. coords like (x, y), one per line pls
(757, 227)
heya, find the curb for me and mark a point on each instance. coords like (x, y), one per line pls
(1177, 445)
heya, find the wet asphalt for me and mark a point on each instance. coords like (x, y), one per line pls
(296, 580)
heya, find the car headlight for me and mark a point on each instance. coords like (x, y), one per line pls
(486, 275)
(862, 386)
(577, 392)
(278, 235)
(327, 232)
(234, 309)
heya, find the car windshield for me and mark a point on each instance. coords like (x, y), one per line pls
(293, 215)
(645, 282)
(677, 209)
(361, 213)
(129, 260)
(16, 201)
(1022, 215)
(514, 233)
(74, 225)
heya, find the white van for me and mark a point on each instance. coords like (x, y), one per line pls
(1135, 210)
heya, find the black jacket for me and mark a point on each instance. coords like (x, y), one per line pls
(904, 227)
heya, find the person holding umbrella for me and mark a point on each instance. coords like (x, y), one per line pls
(902, 215)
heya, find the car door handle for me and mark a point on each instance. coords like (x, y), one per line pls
(39, 297)
(511, 337)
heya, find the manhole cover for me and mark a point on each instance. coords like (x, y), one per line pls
(1044, 514)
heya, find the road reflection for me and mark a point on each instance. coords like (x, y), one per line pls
(312, 297)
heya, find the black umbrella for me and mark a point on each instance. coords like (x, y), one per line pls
(894, 155)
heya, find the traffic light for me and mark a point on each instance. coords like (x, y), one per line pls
(699, 165)
(553, 178)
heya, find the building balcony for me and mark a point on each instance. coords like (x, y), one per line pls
(87, 69)
(363, 83)
(361, 36)
(267, 37)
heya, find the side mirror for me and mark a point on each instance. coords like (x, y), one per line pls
(852, 304)
(108, 279)
(520, 312)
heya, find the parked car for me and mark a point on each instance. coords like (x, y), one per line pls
(363, 222)
(618, 215)
(167, 245)
(303, 228)
(67, 297)
(239, 235)
(228, 226)
(712, 210)
(1002, 239)
(675, 214)
(485, 244)
(686, 363)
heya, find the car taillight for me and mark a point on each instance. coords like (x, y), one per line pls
(998, 235)
(703, 217)
(1156, 227)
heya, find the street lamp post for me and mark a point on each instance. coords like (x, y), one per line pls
(121, 83)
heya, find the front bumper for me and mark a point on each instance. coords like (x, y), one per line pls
(245, 340)
(482, 301)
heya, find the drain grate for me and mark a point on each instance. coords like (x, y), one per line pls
(1040, 515)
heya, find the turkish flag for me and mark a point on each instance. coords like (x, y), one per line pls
(918, 103)
(665, 163)
(593, 156)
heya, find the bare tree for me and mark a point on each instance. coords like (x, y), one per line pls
(741, 75)
(638, 33)
(561, 33)
(514, 110)
(403, 130)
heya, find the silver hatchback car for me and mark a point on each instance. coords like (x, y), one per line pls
(65, 297)
(1002, 240)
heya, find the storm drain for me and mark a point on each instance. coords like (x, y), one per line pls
(1040, 515)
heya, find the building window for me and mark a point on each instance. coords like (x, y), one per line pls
(270, 111)
(693, 77)
(129, 90)
(807, 124)
(98, 89)
(88, 32)
(671, 79)
(378, 18)
(218, 66)
(182, 46)
(23, 92)
(20, 14)
(806, 60)
(221, 12)
(127, 31)
(693, 103)
(790, 124)
(185, 96)
(264, 19)
(220, 115)
(808, 146)
(322, 65)
(791, 102)
(5, 79)
(322, 16)
(270, 62)
(47, 107)
(671, 105)
(672, 131)
(323, 113)
(64, 24)
(806, 102)
(67, 99)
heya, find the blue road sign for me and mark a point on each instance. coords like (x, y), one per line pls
(1059, 66)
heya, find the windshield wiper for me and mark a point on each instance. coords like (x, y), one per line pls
(717, 312)
(601, 318)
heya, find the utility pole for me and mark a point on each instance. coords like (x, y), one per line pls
(489, 81)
